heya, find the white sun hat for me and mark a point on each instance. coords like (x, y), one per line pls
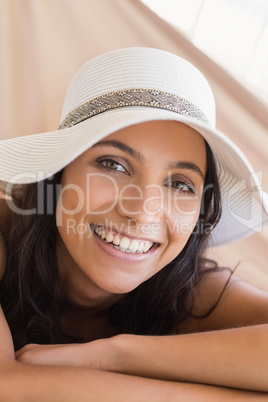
(130, 86)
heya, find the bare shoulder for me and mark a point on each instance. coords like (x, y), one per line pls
(237, 303)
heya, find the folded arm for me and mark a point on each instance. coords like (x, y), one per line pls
(235, 358)
(45, 384)
(212, 351)
(26, 382)
(231, 358)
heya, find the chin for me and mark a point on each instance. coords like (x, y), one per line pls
(119, 285)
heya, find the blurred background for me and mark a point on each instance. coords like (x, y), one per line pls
(44, 42)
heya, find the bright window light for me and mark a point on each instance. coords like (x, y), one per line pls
(232, 32)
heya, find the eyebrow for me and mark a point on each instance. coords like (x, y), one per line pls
(123, 147)
(139, 157)
(187, 166)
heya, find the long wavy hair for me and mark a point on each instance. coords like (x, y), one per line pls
(30, 290)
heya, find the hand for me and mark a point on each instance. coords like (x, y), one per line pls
(97, 355)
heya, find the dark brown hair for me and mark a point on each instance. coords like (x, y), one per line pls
(30, 290)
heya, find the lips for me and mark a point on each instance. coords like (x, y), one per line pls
(123, 243)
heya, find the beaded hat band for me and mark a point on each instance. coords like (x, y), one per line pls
(133, 97)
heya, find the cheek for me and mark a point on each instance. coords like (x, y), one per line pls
(70, 204)
(183, 215)
(180, 224)
(187, 205)
(101, 193)
(95, 194)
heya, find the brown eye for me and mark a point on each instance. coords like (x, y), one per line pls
(182, 187)
(112, 165)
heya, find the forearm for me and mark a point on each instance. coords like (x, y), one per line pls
(19, 383)
(232, 358)
(29, 383)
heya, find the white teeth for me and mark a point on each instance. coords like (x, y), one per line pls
(134, 244)
(125, 244)
(140, 247)
(109, 237)
(146, 246)
(116, 240)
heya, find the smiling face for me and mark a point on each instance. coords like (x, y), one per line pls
(127, 207)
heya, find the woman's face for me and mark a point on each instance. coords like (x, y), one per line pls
(127, 207)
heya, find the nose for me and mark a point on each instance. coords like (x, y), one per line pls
(142, 204)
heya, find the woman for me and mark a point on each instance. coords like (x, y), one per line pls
(105, 228)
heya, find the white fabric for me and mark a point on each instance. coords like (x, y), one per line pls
(143, 68)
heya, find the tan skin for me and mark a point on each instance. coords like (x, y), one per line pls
(90, 288)
(95, 285)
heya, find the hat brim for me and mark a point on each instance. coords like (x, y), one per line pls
(36, 157)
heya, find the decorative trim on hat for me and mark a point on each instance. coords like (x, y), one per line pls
(133, 97)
